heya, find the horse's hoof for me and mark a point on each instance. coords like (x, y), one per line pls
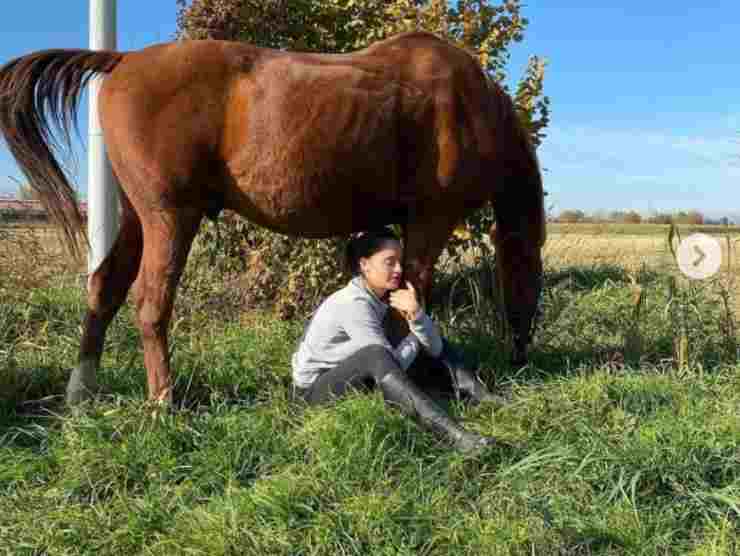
(519, 355)
(160, 408)
(82, 386)
(76, 396)
(162, 404)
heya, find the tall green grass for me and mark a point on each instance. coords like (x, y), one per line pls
(602, 450)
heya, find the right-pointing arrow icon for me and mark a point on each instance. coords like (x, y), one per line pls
(699, 256)
(702, 255)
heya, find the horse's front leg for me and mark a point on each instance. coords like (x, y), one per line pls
(425, 235)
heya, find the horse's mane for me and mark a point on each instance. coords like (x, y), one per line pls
(508, 118)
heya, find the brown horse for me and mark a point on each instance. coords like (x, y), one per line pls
(409, 130)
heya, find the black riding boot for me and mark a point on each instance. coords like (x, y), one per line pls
(466, 384)
(398, 389)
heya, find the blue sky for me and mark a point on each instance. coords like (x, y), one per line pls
(645, 95)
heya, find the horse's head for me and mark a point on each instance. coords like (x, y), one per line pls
(519, 268)
(520, 230)
(519, 235)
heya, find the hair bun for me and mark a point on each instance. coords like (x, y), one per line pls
(365, 244)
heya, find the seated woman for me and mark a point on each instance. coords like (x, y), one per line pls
(344, 345)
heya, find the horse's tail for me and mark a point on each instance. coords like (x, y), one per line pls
(39, 90)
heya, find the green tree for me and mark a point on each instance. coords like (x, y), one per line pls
(691, 217)
(660, 218)
(486, 29)
(571, 216)
(633, 217)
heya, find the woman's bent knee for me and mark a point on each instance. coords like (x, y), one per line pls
(377, 360)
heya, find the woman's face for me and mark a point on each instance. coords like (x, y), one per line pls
(382, 270)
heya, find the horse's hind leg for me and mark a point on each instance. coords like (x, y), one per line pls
(107, 289)
(168, 235)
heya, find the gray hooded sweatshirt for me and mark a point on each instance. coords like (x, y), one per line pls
(350, 319)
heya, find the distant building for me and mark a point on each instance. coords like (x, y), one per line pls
(19, 210)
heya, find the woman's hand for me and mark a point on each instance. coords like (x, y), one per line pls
(405, 301)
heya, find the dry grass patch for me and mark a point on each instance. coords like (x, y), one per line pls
(31, 256)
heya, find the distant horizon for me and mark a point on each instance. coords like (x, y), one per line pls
(733, 215)
(713, 214)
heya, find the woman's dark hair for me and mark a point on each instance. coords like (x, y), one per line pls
(366, 244)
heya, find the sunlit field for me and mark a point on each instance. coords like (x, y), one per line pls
(630, 245)
(622, 435)
(636, 246)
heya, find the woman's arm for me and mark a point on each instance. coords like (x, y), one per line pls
(427, 332)
(363, 326)
(421, 325)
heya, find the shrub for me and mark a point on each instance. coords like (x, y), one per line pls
(272, 271)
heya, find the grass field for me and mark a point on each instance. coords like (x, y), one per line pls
(632, 247)
(622, 437)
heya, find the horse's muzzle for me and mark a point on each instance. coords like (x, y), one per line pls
(519, 352)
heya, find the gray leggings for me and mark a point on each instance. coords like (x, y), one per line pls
(366, 368)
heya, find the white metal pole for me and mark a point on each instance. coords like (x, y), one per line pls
(102, 189)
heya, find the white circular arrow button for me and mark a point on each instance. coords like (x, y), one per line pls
(699, 256)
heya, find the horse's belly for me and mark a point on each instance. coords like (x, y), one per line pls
(307, 210)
